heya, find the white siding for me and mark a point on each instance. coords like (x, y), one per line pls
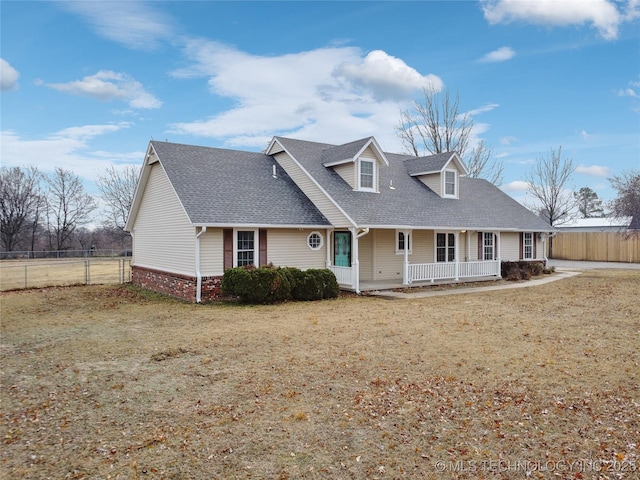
(432, 181)
(422, 247)
(211, 253)
(312, 191)
(288, 248)
(510, 246)
(348, 173)
(387, 265)
(369, 153)
(539, 248)
(365, 256)
(164, 239)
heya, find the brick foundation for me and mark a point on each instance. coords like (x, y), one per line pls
(176, 285)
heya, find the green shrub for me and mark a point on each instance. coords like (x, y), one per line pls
(271, 285)
(330, 287)
(307, 286)
(314, 284)
(234, 281)
(292, 274)
(267, 285)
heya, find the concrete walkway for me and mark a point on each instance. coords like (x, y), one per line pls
(564, 269)
(427, 292)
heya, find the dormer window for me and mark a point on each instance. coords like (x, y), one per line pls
(450, 183)
(367, 175)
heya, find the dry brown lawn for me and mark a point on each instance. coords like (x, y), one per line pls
(110, 382)
(35, 273)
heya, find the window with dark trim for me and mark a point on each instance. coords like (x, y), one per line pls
(488, 246)
(245, 248)
(528, 240)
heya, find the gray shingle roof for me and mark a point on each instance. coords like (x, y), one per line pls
(432, 163)
(411, 203)
(343, 152)
(218, 186)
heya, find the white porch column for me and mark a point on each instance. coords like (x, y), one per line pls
(328, 247)
(355, 263)
(457, 254)
(468, 242)
(498, 252)
(405, 270)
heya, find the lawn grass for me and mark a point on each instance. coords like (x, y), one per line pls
(38, 273)
(110, 382)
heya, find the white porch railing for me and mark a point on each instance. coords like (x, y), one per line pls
(486, 268)
(430, 271)
(344, 275)
(419, 272)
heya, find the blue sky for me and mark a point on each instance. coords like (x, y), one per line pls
(86, 84)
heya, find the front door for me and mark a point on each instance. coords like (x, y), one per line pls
(342, 249)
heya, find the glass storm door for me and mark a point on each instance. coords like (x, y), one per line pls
(342, 249)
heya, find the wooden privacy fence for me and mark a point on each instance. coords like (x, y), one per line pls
(596, 247)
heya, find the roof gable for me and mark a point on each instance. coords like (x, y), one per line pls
(404, 200)
(430, 164)
(229, 187)
(349, 152)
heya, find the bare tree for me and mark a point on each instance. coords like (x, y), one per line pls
(117, 188)
(68, 207)
(548, 184)
(435, 125)
(627, 203)
(20, 199)
(480, 165)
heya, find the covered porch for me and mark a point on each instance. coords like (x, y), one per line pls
(422, 274)
(364, 259)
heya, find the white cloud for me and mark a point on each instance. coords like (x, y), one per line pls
(500, 55)
(508, 140)
(485, 108)
(515, 186)
(68, 148)
(329, 94)
(602, 14)
(107, 85)
(627, 92)
(632, 11)
(386, 77)
(8, 76)
(594, 170)
(133, 24)
(631, 90)
(585, 135)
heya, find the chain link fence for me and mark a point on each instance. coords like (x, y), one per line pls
(62, 271)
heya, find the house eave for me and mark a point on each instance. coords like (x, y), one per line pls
(263, 225)
(455, 228)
